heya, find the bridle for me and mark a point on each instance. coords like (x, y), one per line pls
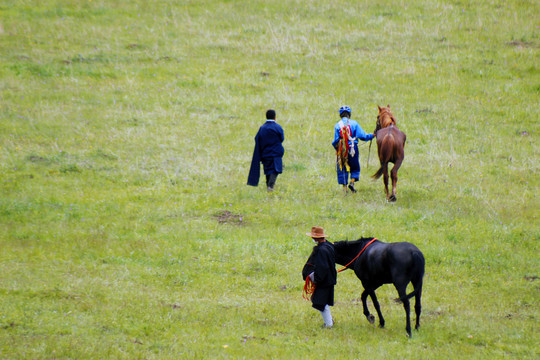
(379, 125)
(384, 112)
(356, 257)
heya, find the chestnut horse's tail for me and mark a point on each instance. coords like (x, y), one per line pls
(385, 154)
(379, 172)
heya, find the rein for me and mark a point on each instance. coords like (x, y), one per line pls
(356, 257)
(369, 151)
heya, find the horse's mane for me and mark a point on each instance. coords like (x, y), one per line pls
(353, 242)
(386, 113)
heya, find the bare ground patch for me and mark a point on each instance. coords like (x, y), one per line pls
(227, 217)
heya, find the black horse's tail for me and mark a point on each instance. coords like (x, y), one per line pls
(406, 297)
(417, 277)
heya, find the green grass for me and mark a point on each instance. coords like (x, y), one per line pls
(126, 133)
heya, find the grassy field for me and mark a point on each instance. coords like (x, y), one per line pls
(126, 133)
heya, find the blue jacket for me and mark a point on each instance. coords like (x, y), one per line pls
(356, 132)
(269, 139)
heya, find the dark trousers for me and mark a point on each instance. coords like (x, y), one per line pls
(271, 180)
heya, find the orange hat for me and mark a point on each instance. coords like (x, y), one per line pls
(317, 232)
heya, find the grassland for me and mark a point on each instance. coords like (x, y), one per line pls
(126, 132)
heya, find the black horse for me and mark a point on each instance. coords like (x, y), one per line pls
(385, 263)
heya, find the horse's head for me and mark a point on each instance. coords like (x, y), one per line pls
(342, 252)
(385, 118)
(348, 251)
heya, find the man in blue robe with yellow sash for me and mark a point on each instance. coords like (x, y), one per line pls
(268, 151)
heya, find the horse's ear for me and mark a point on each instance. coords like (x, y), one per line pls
(379, 107)
(388, 106)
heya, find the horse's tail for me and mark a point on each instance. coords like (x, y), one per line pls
(379, 172)
(385, 155)
(406, 297)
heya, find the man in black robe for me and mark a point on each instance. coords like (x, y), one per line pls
(324, 274)
(268, 150)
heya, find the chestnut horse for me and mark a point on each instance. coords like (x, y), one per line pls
(390, 147)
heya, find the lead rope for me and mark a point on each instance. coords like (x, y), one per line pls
(356, 257)
(309, 289)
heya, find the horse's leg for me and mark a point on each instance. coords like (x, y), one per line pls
(394, 172)
(402, 292)
(385, 179)
(418, 303)
(378, 308)
(369, 317)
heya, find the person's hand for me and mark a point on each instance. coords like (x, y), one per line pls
(374, 134)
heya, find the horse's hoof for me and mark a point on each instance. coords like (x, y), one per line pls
(392, 198)
(371, 319)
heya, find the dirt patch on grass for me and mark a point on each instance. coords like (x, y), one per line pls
(227, 217)
(520, 44)
(11, 325)
(247, 338)
(37, 159)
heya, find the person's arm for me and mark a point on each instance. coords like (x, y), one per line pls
(336, 137)
(362, 135)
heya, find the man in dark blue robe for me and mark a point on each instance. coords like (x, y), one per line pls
(268, 151)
